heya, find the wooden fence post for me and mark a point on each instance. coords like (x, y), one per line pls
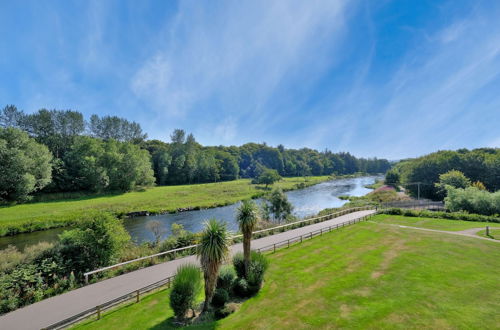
(137, 296)
(288, 243)
(274, 247)
(98, 312)
(487, 230)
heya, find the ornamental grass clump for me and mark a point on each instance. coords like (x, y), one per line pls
(185, 288)
(251, 283)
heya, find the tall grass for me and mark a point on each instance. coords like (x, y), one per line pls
(166, 199)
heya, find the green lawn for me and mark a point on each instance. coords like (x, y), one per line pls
(430, 223)
(44, 215)
(494, 233)
(362, 276)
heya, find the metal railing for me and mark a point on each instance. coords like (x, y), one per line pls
(192, 247)
(135, 295)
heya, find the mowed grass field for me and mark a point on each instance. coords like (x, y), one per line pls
(43, 215)
(432, 223)
(367, 275)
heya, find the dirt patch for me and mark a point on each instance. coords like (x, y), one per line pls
(362, 292)
(392, 252)
(345, 311)
(377, 274)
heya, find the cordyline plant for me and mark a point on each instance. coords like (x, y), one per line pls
(247, 217)
(212, 251)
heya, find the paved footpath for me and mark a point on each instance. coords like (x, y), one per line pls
(55, 309)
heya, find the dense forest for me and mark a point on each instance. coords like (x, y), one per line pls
(480, 166)
(60, 151)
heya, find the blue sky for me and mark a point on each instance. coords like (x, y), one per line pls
(377, 78)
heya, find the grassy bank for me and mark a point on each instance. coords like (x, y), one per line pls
(363, 276)
(58, 213)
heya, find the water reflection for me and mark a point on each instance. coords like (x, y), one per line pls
(306, 202)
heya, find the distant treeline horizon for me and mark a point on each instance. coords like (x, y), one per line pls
(111, 153)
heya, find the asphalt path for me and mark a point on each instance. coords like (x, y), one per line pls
(55, 309)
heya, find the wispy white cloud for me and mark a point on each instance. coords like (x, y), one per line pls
(235, 57)
(433, 101)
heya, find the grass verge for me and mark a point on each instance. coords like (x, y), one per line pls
(429, 223)
(44, 215)
(494, 233)
(362, 276)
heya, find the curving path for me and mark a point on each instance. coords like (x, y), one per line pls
(54, 309)
(467, 232)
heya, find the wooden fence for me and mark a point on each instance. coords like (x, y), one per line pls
(415, 204)
(136, 294)
(259, 233)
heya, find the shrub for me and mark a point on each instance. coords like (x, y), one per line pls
(185, 238)
(227, 310)
(220, 297)
(12, 257)
(241, 287)
(185, 289)
(258, 267)
(95, 243)
(226, 278)
(239, 264)
(441, 215)
(9, 258)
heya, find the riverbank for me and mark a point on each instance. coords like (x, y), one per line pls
(157, 200)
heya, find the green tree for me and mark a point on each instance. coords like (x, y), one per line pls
(95, 243)
(212, 251)
(247, 216)
(453, 178)
(10, 116)
(83, 163)
(277, 205)
(268, 177)
(55, 128)
(392, 178)
(112, 127)
(25, 165)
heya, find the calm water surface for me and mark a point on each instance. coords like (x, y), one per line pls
(306, 202)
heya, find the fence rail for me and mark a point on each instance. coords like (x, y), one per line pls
(135, 295)
(416, 204)
(192, 247)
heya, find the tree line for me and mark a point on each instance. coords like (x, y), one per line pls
(481, 166)
(61, 151)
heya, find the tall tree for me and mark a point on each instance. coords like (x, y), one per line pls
(10, 116)
(25, 165)
(113, 127)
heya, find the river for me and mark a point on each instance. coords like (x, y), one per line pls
(307, 202)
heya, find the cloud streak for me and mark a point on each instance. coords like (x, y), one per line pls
(372, 78)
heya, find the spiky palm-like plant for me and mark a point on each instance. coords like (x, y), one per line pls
(247, 216)
(212, 251)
